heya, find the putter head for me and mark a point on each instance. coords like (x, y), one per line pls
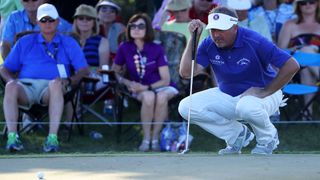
(185, 151)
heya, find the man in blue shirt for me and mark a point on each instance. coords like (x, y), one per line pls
(249, 87)
(42, 62)
(25, 20)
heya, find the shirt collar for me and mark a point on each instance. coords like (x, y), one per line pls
(238, 42)
(56, 39)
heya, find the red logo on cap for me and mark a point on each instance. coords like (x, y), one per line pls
(216, 17)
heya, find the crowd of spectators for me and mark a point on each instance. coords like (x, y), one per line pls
(97, 28)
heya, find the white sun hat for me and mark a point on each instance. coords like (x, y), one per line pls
(221, 21)
(47, 10)
(239, 4)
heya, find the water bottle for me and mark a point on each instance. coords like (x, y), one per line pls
(166, 139)
(108, 106)
(95, 135)
(105, 77)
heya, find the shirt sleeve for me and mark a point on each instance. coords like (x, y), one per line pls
(13, 60)
(9, 30)
(162, 58)
(76, 55)
(120, 56)
(202, 53)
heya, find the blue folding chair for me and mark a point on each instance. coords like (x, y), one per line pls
(296, 91)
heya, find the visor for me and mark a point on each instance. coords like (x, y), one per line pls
(221, 21)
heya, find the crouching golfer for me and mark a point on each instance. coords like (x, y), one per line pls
(249, 70)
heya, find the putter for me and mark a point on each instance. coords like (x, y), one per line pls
(194, 47)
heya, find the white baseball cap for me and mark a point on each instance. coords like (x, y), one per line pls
(47, 10)
(239, 4)
(221, 21)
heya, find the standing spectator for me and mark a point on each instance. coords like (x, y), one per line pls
(42, 61)
(149, 78)
(256, 23)
(200, 9)
(303, 33)
(25, 20)
(109, 27)
(248, 88)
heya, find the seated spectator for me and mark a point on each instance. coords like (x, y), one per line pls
(25, 20)
(180, 10)
(256, 23)
(200, 9)
(95, 47)
(42, 61)
(149, 78)
(303, 34)
(109, 27)
(285, 13)
(6, 7)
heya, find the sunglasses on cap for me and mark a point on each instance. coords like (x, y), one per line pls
(44, 20)
(87, 18)
(29, 0)
(140, 26)
(303, 3)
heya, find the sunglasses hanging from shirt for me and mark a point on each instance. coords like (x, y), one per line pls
(61, 68)
(140, 62)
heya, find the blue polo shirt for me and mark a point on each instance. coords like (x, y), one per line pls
(18, 21)
(31, 59)
(247, 64)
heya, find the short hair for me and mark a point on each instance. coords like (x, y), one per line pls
(224, 10)
(149, 36)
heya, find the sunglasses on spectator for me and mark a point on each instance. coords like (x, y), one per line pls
(108, 9)
(140, 26)
(303, 3)
(44, 20)
(29, 0)
(87, 18)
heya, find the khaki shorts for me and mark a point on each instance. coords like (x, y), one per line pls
(35, 89)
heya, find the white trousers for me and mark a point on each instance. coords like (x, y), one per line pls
(217, 113)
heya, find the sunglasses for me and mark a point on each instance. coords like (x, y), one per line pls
(44, 20)
(29, 0)
(140, 26)
(303, 3)
(87, 18)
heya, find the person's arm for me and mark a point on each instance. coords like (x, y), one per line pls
(6, 75)
(285, 35)
(76, 78)
(285, 74)
(5, 49)
(165, 78)
(104, 52)
(186, 60)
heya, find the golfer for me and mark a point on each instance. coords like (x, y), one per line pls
(250, 72)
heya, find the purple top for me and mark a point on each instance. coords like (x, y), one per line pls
(142, 66)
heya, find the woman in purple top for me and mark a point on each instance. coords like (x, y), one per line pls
(148, 77)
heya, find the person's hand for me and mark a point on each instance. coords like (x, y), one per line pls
(255, 91)
(136, 87)
(196, 24)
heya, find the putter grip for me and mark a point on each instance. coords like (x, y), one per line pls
(194, 44)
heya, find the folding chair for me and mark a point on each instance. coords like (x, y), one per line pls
(299, 110)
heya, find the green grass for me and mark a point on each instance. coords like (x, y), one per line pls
(294, 138)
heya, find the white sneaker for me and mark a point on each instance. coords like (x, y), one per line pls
(243, 140)
(266, 149)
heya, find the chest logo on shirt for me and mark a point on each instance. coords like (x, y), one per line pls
(217, 60)
(243, 62)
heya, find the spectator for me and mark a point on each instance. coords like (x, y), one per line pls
(256, 23)
(149, 78)
(180, 10)
(6, 7)
(109, 28)
(42, 61)
(285, 13)
(95, 47)
(200, 10)
(303, 33)
(25, 20)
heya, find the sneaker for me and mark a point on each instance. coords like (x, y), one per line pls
(155, 146)
(144, 146)
(266, 149)
(13, 142)
(242, 141)
(51, 144)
